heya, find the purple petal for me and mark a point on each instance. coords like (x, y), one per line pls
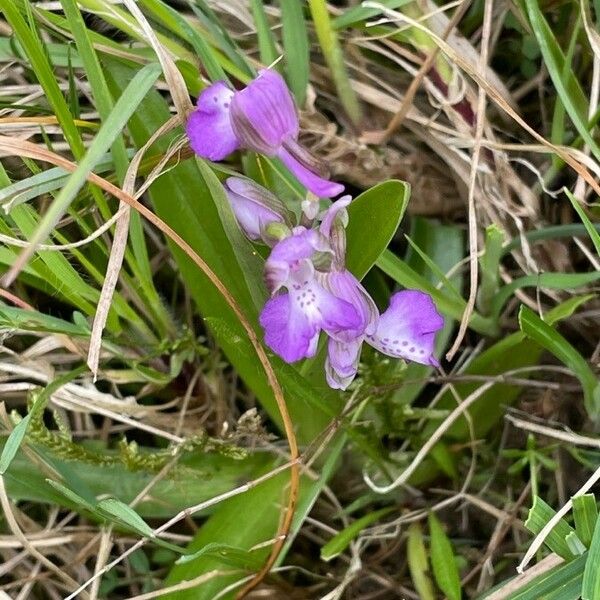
(288, 332)
(407, 328)
(263, 114)
(253, 206)
(302, 244)
(320, 306)
(331, 213)
(294, 251)
(341, 364)
(311, 181)
(209, 126)
(344, 285)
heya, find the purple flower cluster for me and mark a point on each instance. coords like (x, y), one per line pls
(311, 289)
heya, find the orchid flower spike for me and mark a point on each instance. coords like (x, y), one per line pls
(262, 117)
(323, 295)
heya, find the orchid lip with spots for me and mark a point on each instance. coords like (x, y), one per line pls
(261, 117)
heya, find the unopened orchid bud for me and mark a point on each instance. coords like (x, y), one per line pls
(255, 208)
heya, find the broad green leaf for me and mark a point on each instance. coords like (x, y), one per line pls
(199, 477)
(418, 563)
(590, 589)
(339, 542)
(379, 211)
(443, 562)
(233, 524)
(585, 515)
(551, 340)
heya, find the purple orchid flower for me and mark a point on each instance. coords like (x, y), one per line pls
(405, 330)
(262, 117)
(293, 320)
(312, 291)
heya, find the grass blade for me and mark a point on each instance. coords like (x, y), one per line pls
(296, 49)
(444, 566)
(550, 339)
(124, 108)
(590, 589)
(585, 515)
(334, 57)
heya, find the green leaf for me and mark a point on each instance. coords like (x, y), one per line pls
(124, 513)
(125, 106)
(539, 514)
(590, 589)
(13, 443)
(72, 496)
(339, 542)
(16, 436)
(575, 545)
(443, 561)
(557, 281)
(585, 515)
(334, 56)
(564, 80)
(551, 340)
(232, 525)
(228, 555)
(418, 563)
(266, 42)
(379, 211)
(202, 477)
(589, 226)
(489, 265)
(296, 48)
(560, 583)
